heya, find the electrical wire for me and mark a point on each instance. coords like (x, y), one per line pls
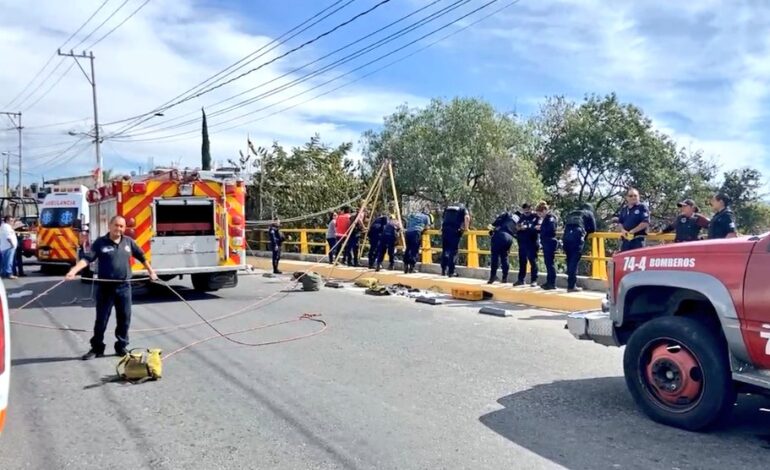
(281, 56)
(286, 74)
(48, 62)
(131, 15)
(48, 90)
(254, 55)
(173, 137)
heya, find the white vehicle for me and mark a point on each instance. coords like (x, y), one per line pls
(5, 356)
(62, 215)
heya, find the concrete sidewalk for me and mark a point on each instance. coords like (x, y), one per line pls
(533, 296)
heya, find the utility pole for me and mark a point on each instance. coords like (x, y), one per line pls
(16, 121)
(92, 81)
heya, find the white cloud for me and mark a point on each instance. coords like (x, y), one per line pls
(700, 68)
(165, 49)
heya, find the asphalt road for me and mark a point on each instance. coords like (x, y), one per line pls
(389, 385)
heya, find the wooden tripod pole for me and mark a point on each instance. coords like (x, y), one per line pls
(363, 206)
(395, 200)
(372, 214)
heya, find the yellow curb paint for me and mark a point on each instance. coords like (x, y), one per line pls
(532, 296)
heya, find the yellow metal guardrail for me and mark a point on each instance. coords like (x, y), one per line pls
(309, 238)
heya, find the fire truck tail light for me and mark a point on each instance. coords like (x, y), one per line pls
(237, 220)
(131, 232)
(238, 241)
(230, 188)
(139, 188)
(130, 222)
(236, 232)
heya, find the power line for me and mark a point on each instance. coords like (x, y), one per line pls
(56, 157)
(440, 28)
(48, 62)
(119, 24)
(254, 55)
(307, 76)
(48, 90)
(264, 64)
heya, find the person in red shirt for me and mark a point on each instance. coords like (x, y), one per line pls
(342, 226)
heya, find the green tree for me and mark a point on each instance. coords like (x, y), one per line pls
(462, 150)
(594, 151)
(306, 180)
(752, 215)
(205, 146)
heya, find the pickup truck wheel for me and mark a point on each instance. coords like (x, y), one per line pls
(678, 372)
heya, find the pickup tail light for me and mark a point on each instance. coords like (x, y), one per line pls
(611, 281)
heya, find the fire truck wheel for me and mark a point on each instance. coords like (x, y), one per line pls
(201, 283)
(678, 372)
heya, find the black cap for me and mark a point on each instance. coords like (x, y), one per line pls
(525, 205)
(686, 202)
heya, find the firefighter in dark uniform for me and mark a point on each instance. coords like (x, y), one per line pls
(351, 249)
(634, 219)
(577, 225)
(113, 253)
(275, 241)
(388, 242)
(502, 231)
(374, 235)
(688, 224)
(526, 237)
(455, 220)
(547, 229)
(723, 223)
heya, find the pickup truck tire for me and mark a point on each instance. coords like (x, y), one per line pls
(677, 370)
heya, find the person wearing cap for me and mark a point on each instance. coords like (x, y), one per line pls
(688, 224)
(723, 223)
(526, 237)
(547, 230)
(634, 219)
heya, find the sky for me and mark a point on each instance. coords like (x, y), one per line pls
(699, 70)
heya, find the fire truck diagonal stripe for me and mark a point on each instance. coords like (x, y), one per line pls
(160, 190)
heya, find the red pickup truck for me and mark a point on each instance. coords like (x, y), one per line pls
(695, 321)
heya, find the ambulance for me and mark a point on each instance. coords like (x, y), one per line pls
(63, 213)
(187, 223)
(5, 356)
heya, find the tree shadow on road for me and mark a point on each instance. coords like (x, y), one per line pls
(594, 423)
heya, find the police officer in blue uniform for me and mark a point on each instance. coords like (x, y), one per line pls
(577, 225)
(547, 229)
(113, 253)
(723, 223)
(527, 236)
(502, 231)
(416, 224)
(275, 241)
(634, 219)
(374, 235)
(388, 242)
(688, 224)
(455, 220)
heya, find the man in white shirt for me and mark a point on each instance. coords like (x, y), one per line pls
(8, 243)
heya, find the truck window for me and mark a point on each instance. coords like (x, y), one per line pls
(58, 217)
(184, 217)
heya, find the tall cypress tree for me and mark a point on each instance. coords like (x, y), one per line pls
(205, 150)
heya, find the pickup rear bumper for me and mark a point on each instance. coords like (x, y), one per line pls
(594, 325)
